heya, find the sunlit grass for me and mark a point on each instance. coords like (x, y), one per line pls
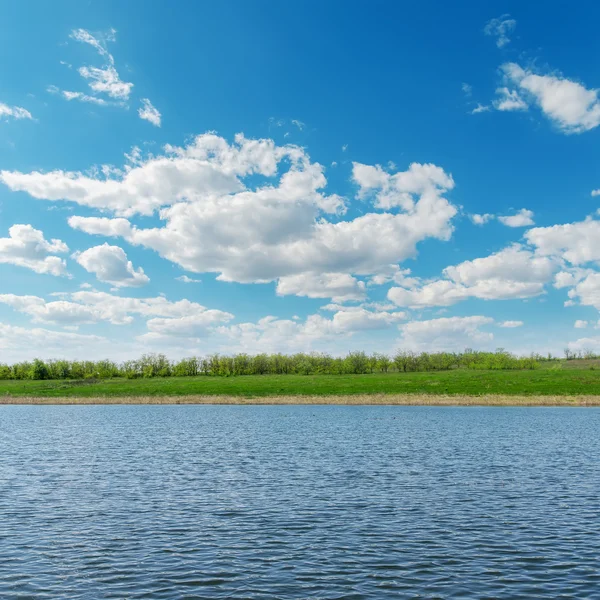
(540, 382)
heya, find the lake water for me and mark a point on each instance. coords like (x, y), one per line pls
(325, 502)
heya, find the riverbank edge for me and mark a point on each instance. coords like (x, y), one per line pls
(344, 400)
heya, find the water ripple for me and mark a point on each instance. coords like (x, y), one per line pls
(299, 502)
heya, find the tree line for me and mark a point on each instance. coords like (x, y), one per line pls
(216, 365)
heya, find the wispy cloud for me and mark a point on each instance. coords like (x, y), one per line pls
(500, 28)
(13, 112)
(480, 108)
(150, 113)
(103, 80)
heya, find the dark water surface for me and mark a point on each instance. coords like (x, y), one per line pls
(299, 502)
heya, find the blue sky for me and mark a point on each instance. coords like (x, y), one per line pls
(222, 177)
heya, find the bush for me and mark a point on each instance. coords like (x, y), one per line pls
(158, 365)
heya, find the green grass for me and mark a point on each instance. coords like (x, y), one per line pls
(557, 382)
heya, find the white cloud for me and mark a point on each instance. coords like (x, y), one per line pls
(59, 312)
(568, 104)
(587, 291)
(481, 219)
(149, 112)
(481, 108)
(186, 279)
(22, 343)
(110, 265)
(595, 193)
(576, 243)
(522, 218)
(102, 226)
(27, 247)
(424, 182)
(514, 272)
(91, 307)
(215, 223)
(446, 334)
(467, 89)
(105, 79)
(68, 95)
(340, 287)
(509, 100)
(359, 318)
(271, 334)
(511, 324)
(394, 274)
(580, 324)
(83, 98)
(500, 28)
(571, 277)
(589, 344)
(98, 42)
(299, 124)
(13, 112)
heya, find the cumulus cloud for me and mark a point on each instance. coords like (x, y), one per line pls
(522, 218)
(509, 100)
(13, 112)
(181, 323)
(110, 265)
(271, 334)
(587, 291)
(569, 105)
(514, 272)
(511, 324)
(186, 279)
(215, 221)
(402, 189)
(150, 113)
(340, 287)
(446, 334)
(92, 307)
(580, 324)
(481, 219)
(27, 247)
(585, 345)
(22, 343)
(500, 28)
(576, 243)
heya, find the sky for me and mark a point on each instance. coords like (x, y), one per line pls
(196, 177)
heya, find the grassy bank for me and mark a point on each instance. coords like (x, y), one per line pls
(459, 382)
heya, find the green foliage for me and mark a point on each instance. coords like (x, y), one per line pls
(39, 370)
(355, 363)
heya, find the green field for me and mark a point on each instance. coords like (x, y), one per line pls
(539, 382)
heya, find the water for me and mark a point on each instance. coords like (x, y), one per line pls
(298, 502)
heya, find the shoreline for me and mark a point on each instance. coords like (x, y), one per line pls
(342, 400)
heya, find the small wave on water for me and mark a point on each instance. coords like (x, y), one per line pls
(328, 502)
